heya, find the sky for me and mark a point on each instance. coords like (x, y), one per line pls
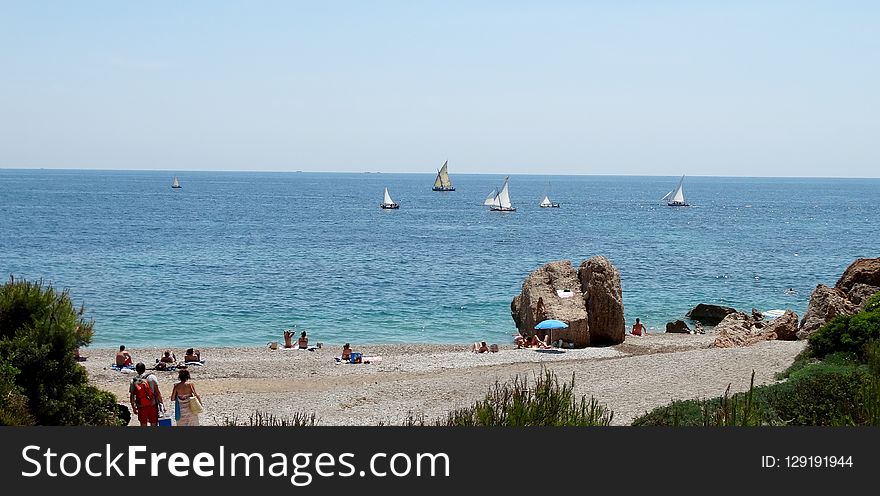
(746, 88)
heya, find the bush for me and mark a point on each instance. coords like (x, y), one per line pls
(266, 419)
(546, 403)
(848, 333)
(40, 331)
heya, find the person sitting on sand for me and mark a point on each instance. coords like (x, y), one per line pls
(537, 343)
(192, 356)
(639, 329)
(346, 352)
(123, 358)
(481, 347)
(519, 341)
(303, 341)
(288, 338)
(168, 357)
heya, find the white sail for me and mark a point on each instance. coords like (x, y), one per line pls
(678, 195)
(546, 201)
(437, 182)
(176, 183)
(442, 181)
(490, 200)
(668, 195)
(504, 195)
(388, 200)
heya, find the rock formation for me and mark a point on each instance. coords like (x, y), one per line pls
(785, 326)
(709, 314)
(859, 282)
(678, 326)
(603, 299)
(589, 301)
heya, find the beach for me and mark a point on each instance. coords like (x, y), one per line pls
(429, 380)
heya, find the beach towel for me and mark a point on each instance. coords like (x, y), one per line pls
(364, 359)
(199, 363)
(124, 368)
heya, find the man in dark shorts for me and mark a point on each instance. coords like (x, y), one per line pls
(145, 396)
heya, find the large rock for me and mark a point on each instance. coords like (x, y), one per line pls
(709, 314)
(539, 301)
(679, 326)
(862, 271)
(590, 301)
(739, 329)
(785, 327)
(825, 304)
(603, 299)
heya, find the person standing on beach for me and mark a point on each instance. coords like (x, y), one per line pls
(639, 329)
(184, 393)
(145, 396)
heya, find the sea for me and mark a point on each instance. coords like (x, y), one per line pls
(234, 258)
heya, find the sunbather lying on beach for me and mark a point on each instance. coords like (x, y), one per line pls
(519, 341)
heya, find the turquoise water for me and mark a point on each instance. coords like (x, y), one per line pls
(235, 258)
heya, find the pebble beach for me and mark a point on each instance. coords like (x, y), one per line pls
(429, 380)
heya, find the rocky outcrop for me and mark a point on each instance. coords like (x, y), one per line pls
(603, 299)
(859, 282)
(862, 271)
(860, 293)
(709, 314)
(785, 327)
(740, 329)
(678, 326)
(590, 301)
(825, 304)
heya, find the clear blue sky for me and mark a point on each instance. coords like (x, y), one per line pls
(758, 88)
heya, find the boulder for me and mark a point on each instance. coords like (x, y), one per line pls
(785, 327)
(539, 301)
(709, 314)
(589, 300)
(603, 299)
(739, 329)
(862, 271)
(825, 304)
(678, 326)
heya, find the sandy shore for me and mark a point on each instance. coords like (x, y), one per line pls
(630, 378)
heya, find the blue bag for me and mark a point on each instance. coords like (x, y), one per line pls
(356, 357)
(177, 409)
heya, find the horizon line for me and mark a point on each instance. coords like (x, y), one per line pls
(303, 171)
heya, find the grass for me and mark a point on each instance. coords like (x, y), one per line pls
(265, 419)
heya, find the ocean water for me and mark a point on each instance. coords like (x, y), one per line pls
(233, 258)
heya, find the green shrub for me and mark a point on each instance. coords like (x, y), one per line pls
(547, 402)
(40, 331)
(266, 419)
(848, 333)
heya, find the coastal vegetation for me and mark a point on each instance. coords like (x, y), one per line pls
(835, 381)
(41, 382)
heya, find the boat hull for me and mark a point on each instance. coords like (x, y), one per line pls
(391, 206)
(552, 205)
(176, 187)
(503, 209)
(441, 188)
(678, 204)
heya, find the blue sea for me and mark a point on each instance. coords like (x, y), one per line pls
(234, 258)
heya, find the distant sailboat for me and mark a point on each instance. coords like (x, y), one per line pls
(388, 203)
(675, 198)
(442, 183)
(501, 201)
(175, 184)
(546, 203)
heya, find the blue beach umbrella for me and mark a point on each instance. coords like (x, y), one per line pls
(551, 324)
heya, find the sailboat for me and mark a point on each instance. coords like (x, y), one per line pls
(501, 201)
(442, 183)
(675, 198)
(490, 200)
(388, 203)
(546, 203)
(175, 184)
